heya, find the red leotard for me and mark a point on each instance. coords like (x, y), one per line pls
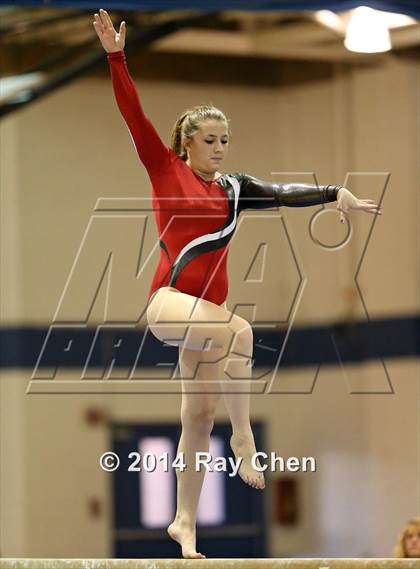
(196, 218)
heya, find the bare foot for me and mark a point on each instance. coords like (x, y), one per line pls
(185, 536)
(243, 446)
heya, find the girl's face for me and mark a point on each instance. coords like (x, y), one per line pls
(412, 543)
(208, 147)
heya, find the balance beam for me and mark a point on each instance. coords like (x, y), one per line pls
(210, 563)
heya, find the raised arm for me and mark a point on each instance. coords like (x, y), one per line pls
(154, 154)
(258, 194)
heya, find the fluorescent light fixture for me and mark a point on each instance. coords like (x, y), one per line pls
(330, 20)
(338, 21)
(367, 32)
(394, 20)
(15, 84)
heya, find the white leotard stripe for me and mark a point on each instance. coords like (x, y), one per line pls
(218, 234)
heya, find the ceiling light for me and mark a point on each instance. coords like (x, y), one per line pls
(367, 32)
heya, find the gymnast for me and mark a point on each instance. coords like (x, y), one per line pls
(196, 209)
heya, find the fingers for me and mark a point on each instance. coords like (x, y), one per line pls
(106, 32)
(368, 205)
(102, 17)
(372, 209)
(363, 205)
(98, 24)
(122, 31)
(102, 21)
(371, 206)
(106, 20)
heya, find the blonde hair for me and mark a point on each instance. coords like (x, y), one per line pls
(189, 123)
(399, 549)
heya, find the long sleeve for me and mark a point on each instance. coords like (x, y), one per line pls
(258, 194)
(150, 148)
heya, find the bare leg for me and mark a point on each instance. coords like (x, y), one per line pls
(237, 402)
(197, 325)
(197, 417)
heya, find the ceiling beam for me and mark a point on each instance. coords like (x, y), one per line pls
(296, 41)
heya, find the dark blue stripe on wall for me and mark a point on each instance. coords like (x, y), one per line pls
(71, 347)
(409, 7)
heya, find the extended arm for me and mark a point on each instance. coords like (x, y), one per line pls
(258, 194)
(150, 148)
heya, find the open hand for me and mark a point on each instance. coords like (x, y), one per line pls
(110, 39)
(347, 201)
